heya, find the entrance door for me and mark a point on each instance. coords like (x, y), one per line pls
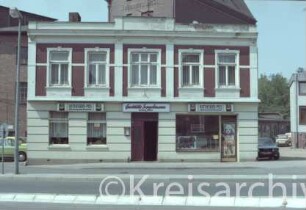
(228, 138)
(150, 140)
(144, 136)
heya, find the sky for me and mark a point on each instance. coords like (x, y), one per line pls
(281, 26)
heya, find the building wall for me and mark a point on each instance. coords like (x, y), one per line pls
(118, 147)
(8, 47)
(161, 8)
(142, 34)
(296, 100)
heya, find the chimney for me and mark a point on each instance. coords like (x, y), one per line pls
(74, 17)
(109, 6)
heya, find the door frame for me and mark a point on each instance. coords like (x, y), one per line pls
(138, 120)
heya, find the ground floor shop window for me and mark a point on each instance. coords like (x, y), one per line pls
(197, 133)
(58, 128)
(96, 128)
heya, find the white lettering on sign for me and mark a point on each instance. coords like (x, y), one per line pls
(145, 107)
(210, 108)
(81, 107)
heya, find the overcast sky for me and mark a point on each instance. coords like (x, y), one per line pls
(281, 27)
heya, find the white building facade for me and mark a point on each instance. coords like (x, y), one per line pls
(142, 89)
(298, 108)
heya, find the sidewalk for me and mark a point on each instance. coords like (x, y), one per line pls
(292, 161)
(288, 153)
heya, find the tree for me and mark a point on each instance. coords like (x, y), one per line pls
(274, 94)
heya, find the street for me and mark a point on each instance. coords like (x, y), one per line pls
(258, 184)
(48, 206)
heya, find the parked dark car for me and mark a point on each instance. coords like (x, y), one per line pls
(267, 149)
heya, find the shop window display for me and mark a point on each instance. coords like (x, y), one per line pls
(197, 133)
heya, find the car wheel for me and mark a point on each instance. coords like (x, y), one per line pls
(22, 156)
(276, 157)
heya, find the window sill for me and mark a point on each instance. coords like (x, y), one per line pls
(59, 147)
(144, 87)
(191, 88)
(95, 87)
(229, 88)
(198, 150)
(58, 87)
(94, 147)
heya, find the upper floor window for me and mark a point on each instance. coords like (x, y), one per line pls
(144, 69)
(23, 55)
(23, 90)
(227, 69)
(191, 65)
(59, 67)
(97, 67)
(302, 88)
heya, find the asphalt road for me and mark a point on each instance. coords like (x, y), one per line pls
(180, 187)
(296, 167)
(48, 206)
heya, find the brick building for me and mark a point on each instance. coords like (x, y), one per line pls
(8, 49)
(145, 88)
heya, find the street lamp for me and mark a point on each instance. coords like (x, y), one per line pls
(14, 13)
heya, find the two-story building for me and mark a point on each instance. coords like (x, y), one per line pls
(298, 108)
(142, 89)
(8, 60)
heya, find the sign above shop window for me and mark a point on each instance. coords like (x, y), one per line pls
(81, 107)
(145, 107)
(210, 108)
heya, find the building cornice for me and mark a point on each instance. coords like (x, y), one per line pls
(141, 27)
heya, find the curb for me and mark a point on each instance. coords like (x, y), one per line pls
(154, 176)
(261, 202)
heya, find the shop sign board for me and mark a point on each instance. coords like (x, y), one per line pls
(210, 108)
(146, 107)
(81, 107)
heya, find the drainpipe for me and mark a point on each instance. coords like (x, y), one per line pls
(174, 15)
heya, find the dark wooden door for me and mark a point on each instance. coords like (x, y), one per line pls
(150, 141)
(137, 140)
(143, 136)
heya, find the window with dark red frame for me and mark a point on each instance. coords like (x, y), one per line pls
(302, 115)
(302, 88)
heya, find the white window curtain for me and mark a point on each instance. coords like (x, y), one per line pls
(58, 127)
(97, 62)
(227, 69)
(191, 69)
(96, 128)
(144, 69)
(59, 64)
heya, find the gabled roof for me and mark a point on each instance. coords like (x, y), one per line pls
(213, 12)
(237, 8)
(7, 21)
(237, 5)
